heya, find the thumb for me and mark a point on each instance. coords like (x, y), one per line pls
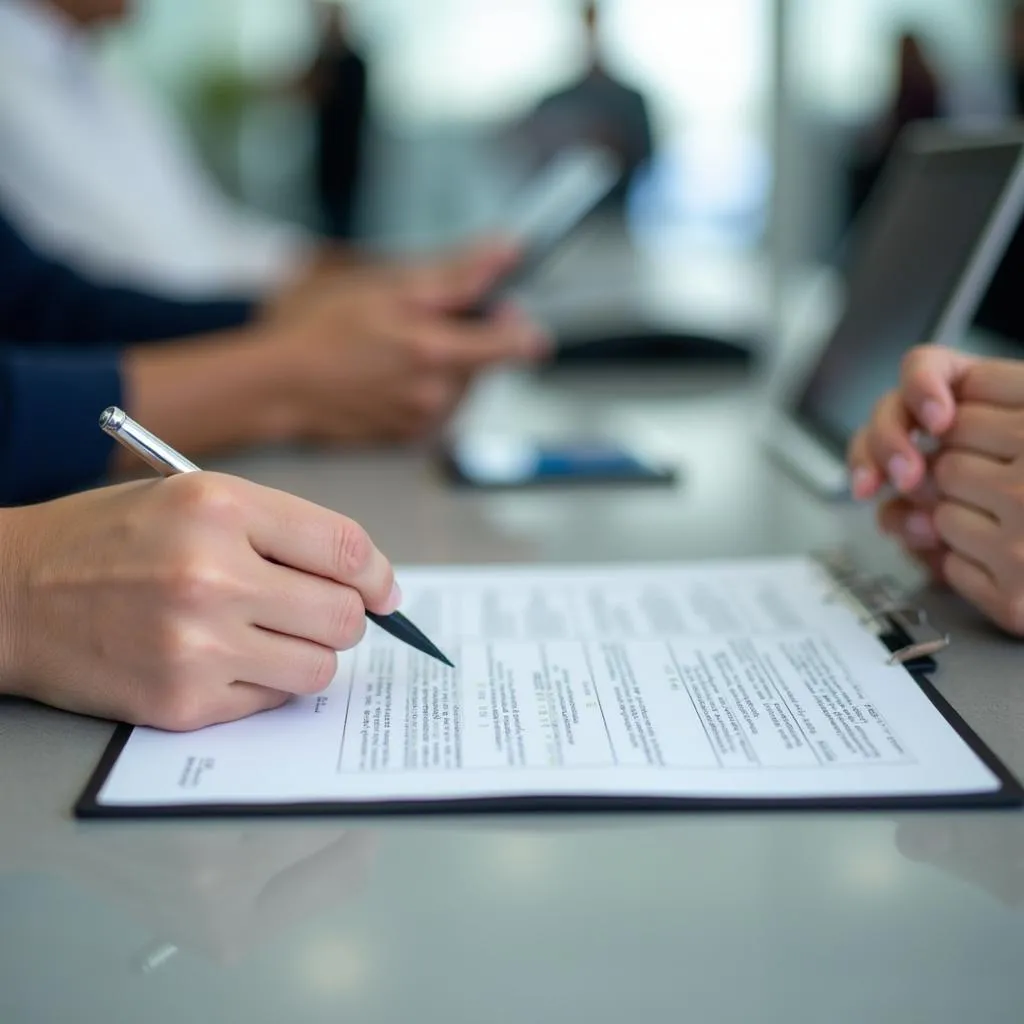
(929, 380)
(459, 280)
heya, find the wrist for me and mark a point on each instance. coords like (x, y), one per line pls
(213, 393)
(271, 368)
(13, 557)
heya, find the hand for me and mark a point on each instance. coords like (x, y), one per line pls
(382, 355)
(181, 603)
(379, 355)
(962, 509)
(327, 265)
(887, 449)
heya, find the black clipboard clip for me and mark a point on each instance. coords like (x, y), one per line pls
(904, 628)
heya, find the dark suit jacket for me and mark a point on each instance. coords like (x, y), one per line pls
(60, 343)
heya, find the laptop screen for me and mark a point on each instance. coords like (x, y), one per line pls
(909, 252)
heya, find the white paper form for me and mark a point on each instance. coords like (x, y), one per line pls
(714, 680)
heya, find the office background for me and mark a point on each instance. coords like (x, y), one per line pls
(759, 108)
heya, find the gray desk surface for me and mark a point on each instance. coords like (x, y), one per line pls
(795, 918)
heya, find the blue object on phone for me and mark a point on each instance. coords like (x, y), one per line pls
(506, 462)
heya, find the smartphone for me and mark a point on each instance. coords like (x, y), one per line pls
(501, 462)
(549, 209)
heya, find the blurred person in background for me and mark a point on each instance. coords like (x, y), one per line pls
(919, 95)
(336, 86)
(378, 358)
(140, 206)
(597, 109)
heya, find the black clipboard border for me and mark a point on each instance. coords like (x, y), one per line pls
(1009, 795)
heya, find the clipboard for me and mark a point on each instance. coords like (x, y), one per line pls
(881, 608)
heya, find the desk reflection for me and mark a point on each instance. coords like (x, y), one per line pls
(214, 891)
(985, 851)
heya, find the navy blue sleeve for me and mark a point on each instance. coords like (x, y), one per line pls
(44, 301)
(50, 403)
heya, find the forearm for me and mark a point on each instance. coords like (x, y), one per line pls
(208, 394)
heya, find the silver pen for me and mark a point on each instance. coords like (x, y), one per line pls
(162, 457)
(167, 462)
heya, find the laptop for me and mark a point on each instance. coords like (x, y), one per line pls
(920, 260)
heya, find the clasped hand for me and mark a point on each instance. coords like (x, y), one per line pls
(955, 503)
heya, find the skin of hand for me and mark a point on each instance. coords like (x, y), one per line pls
(379, 354)
(181, 603)
(959, 508)
(325, 265)
(409, 357)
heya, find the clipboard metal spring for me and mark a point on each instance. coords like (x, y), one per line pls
(911, 620)
(877, 602)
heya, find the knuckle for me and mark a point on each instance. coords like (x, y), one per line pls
(205, 497)
(182, 708)
(173, 645)
(352, 548)
(349, 620)
(192, 581)
(181, 651)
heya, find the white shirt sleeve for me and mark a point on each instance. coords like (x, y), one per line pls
(94, 172)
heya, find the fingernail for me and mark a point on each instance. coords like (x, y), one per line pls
(394, 601)
(862, 482)
(919, 531)
(932, 415)
(901, 472)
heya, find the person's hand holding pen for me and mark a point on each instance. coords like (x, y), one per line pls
(185, 602)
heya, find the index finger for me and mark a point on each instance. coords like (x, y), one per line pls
(313, 539)
(865, 478)
(887, 445)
